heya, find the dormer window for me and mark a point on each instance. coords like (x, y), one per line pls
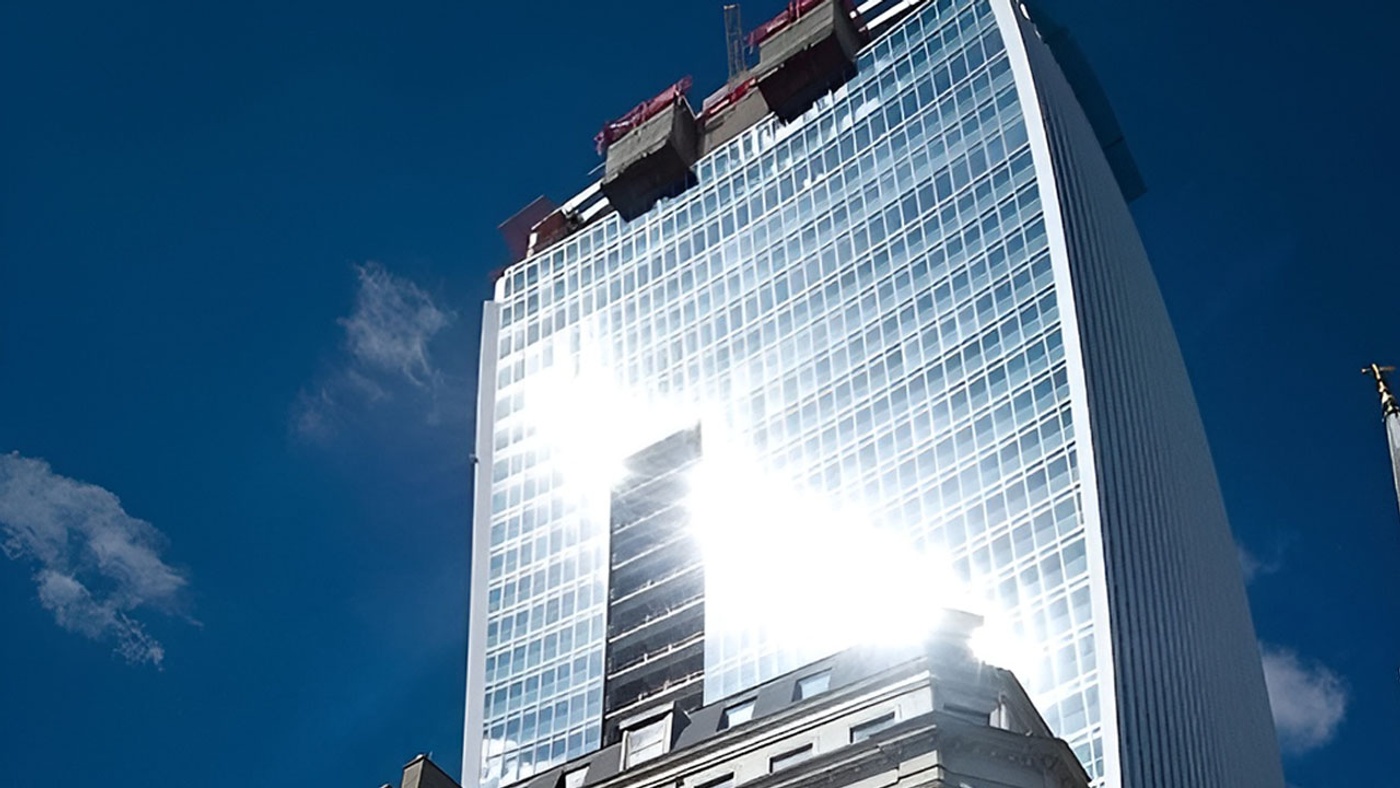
(812, 686)
(646, 741)
(738, 714)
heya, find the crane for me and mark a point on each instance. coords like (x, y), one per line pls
(734, 41)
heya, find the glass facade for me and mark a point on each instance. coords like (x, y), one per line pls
(862, 303)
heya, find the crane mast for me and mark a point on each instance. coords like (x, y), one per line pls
(734, 40)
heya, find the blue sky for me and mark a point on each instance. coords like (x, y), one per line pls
(242, 252)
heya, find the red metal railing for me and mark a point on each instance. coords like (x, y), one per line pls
(640, 114)
(728, 100)
(794, 10)
(787, 16)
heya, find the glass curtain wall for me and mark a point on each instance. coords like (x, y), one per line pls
(859, 308)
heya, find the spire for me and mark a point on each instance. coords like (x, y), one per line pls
(1389, 406)
(1390, 414)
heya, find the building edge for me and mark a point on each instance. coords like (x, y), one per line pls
(1120, 431)
(473, 736)
(1008, 16)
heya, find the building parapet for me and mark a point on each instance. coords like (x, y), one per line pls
(807, 50)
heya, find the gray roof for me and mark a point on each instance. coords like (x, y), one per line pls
(944, 656)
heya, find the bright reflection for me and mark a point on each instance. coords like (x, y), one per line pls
(996, 643)
(805, 573)
(589, 425)
(793, 569)
(786, 569)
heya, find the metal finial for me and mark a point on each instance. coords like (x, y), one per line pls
(1389, 405)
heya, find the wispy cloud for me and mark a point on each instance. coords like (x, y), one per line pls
(1256, 566)
(393, 322)
(387, 355)
(96, 564)
(1308, 699)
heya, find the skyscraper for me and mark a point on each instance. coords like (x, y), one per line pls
(877, 325)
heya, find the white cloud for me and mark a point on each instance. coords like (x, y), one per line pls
(82, 540)
(393, 322)
(1308, 699)
(75, 609)
(388, 339)
(1255, 567)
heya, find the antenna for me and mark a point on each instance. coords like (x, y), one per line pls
(734, 40)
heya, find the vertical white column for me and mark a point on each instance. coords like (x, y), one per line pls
(477, 607)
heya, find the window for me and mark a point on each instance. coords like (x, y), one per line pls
(790, 758)
(722, 781)
(812, 685)
(968, 715)
(1002, 718)
(865, 730)
(574, 779)
(738, 714)
(646, 741)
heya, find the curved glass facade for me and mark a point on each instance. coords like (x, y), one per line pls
(860, 310)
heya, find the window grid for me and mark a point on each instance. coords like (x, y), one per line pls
(867, 293)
